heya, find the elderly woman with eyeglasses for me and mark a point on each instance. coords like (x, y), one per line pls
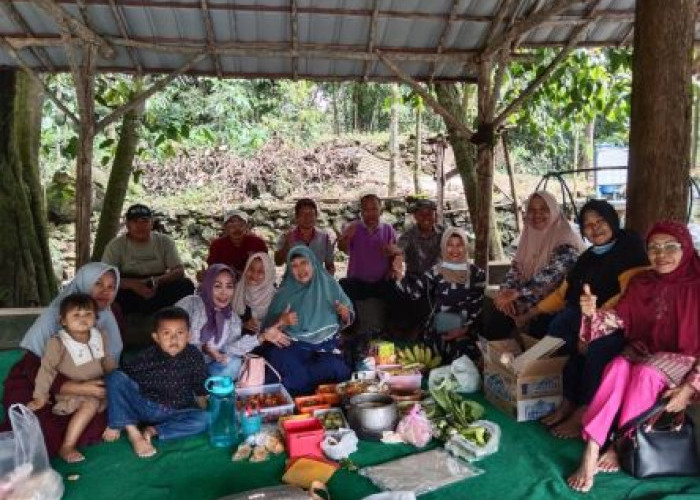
(614, 257)
(660, 316)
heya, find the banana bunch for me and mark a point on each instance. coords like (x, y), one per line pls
(418, 354)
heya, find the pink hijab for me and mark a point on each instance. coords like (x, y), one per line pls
(536, 246)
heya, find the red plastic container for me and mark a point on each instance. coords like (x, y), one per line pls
(303, 437)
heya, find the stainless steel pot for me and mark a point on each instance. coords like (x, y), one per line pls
(371, 414)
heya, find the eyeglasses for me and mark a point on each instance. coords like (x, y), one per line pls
(592, 226)
(667, 248)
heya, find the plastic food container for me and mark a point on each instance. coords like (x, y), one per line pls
(272, 413)
(320, 414)
(327, 389)
(303, 437)
(307, 404)
(410, 381)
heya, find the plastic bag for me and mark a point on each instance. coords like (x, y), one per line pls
(462, 370)
(25, 472)
(339, 445)
(282, 493)
(420, 473)
(467, 450)
(415, 427)
(392, 495)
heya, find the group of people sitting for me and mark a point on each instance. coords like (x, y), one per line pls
(642, 341)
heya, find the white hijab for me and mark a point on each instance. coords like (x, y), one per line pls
(49, 323)
(257, 297)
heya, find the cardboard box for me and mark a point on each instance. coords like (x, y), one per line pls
(529, 392)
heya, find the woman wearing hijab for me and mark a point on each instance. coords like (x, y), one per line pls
(455, 288)
(215, 328)
(607, 266)
(101, 282)
(660, 316)
(312, 309)
(547, 251)
(255, 291)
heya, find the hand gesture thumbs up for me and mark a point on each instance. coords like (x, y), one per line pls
(587, 301)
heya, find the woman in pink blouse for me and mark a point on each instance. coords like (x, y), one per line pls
(660, 314)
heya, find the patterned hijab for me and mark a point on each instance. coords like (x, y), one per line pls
(49, 323)
(216, 318)
(257, 297)
(314, 301)
(536, 246)
(454, 272)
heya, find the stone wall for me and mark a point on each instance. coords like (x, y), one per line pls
(192, 230)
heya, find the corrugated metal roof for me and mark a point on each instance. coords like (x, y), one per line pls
(336, 39)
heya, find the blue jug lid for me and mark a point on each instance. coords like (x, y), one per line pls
(219, 385)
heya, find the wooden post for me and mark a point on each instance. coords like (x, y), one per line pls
(659, 159)
(394, 139)
(440, 177)
(511, 179)
(84, 79)
(417, 169)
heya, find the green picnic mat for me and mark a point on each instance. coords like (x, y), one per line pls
(529, 465)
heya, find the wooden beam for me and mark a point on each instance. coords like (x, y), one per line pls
(211, 38)
(430, 100)
(371, 38)
(14, 15)
(523, 26)
(627, 37)
(497, 20)
(443, 36)
(140, 98)
(14, 55)
(67, 21)
(578, 33)
(294, 28)
(121, 23)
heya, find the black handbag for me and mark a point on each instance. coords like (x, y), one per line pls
(656, 444)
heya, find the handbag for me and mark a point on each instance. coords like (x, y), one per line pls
(655, 445)
(252, 373)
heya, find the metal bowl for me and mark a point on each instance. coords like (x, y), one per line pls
(369, 415)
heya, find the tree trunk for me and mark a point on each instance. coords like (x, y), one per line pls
(334, 102)
(659, 159)
(511, 181)
(26, 274)
(575, 157)
(588, 148)
(696, 124)
(394, 139)
(419, 143)
(118, 181)
(356, 107)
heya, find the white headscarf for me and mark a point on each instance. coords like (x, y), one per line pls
(454, 272)
(49, 323)
(257, 297)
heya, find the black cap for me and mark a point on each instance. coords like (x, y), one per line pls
(421, 204)
(138, 211)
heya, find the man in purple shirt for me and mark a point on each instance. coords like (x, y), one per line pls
(371, 246)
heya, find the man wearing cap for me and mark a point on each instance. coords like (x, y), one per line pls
(237, 243)
(421, 242)
(306, 233)
(152, 274)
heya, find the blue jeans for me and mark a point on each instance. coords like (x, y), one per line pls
(228, 369)
(126, 406)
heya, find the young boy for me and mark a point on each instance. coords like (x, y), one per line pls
(161, 388)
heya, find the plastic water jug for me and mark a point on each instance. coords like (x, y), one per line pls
(223, 430)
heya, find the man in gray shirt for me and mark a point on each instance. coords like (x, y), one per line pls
(152, 274)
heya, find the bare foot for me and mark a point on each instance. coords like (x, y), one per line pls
(71, 455)
(563, 411)
(110, 435)
(582, 479)
(571, 427)
(142, 446)
(609, 461)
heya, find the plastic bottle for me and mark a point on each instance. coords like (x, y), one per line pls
(223, 429)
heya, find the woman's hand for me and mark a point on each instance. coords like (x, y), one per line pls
(275, 336)
(343, 311)
(587, 301)
(217, 355)
(37, 404)
(94, 388)
(505, 301)
(396, 271)
(253, 325)
(288, 317)
(680, 397)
